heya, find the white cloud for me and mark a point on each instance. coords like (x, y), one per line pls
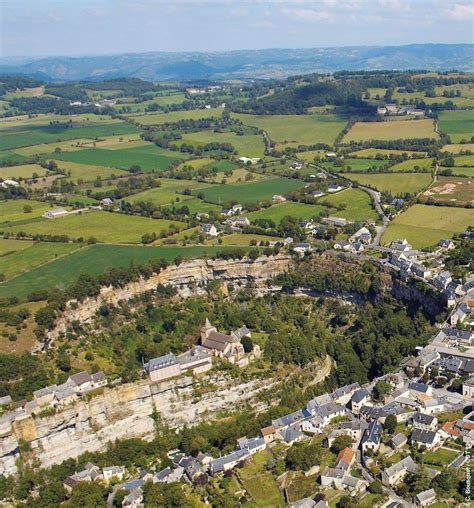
(461, 12)
(309, 15)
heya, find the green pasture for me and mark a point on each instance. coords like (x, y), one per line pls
(394, 183)
(13, 209)
(168, 192)
(294, 209)
(88, 172)
(176, 116)
(247, 145)
(300, 129)
(22, 171)
(459, 125)
(357, 205)
(104, 226)
(423, 225)
(413, 165)
(249, 192)
(94, 260)
(391, 130)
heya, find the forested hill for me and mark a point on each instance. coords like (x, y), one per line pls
(264, 64)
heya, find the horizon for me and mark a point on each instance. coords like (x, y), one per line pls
(106, 27)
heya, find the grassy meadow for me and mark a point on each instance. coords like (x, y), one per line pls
(176, 116)
(394, 183)
(357, 205)
(22, 171)
(14, 210)
(423, 225)
(391, 130)
(459, 125)
(278, 211)
(248, 145)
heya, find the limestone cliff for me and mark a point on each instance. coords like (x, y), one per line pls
(188, 278)
(125, 411)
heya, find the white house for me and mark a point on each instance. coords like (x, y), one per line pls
(56, 212)
(209, 229)
(9, 183)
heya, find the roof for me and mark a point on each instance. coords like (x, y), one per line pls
(80, 378)
(360, 395)
(161, 362)
(218, 341)
(423, 418)
(418, 387)
(218, 464)
(346, 455)
(399, 439)
(268, 431)
(407, 464)
(373, 433)
(423, 436)
(426, 495)
(97, 377)
(334, 472)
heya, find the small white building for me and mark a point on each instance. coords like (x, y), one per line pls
(9, 183)
(56, 212)
(209, 229)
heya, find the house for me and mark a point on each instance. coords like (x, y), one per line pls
(345, 459)
(398, 441)
(446, 244)
(163, 367)
(341, 480)
(425, 498)
(52, 214)
(358, 399)
(460, 314)
(252, 445)
(302, 248)
(134, 499)
(106, 202)
(343, 394)
(290, 435)
(113, 473)
(268, 434)
(317, 194)
(287, 241)
(44, 395)
(90, 473)
(276, 198)
(417, 389)
(202, 216)
(326, 412)
(424, 421)
(4, 401)
(420, 270)
(228, 462)
(251, 160)
(80, 382)
(428, 438)
(448, 430)
(343, 245)
(401, 245)
(352, 429)
(372, 436)
(334, 187)
(381, 110)
(362, 235)
(228, 347)
(169, 475)
(442, 280)
(398, 202)
(336, 221)
(196, 360)
(239, 222)
(204, 458)
(397, 472)
(236, 209)
(296, 165)
(309, 503)
(209, 229)
(9, 183)
(468, 388)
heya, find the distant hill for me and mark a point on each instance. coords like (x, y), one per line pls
(257, 64)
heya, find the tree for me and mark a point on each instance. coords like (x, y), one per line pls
(247, 343)
(376, 487)
(87, 495)
(27, 209)
(390, 424)
(381, 389)
(446, 483)
(340, 443)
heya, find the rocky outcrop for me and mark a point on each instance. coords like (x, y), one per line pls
(126, 411)
(189, 278)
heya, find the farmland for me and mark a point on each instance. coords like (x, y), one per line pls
(373, 152)
(105, 227)
(33, 255)
(391, 130)
(423, 225)
(424, 164)
(450, 189)
(357, 205)
(394, 183)
(87, 172)
(94, 260)
(31, 134)
(461, 171)
(247, 145)
(14, 210)
(277, 212)
(299, 129)
(455, 148)
(355, 165)
(169, 191)
(457, 124)
(22, 171)
(149, 157)
(176, 116)
(249, 192)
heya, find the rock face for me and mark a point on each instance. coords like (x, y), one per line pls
(188, 278)
(126, 411)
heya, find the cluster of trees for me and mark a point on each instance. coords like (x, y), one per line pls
(59, 106)
(13, 83)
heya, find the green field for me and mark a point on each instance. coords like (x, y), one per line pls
(355, 165)
(458, 125)
(32, 256)
(461, 171)
(394, 183)
(373, 152)
(164, 100)
(423, 225)
(300, 129)
(249, 192)
(149, 157)
(168, 192)
(455, 148)
(412, 164)
(464, 160)
(32, 134)
(88, 172)
(15, 158)
(104, 226)
(23, 171)
(8, 246)
(94, 260)
(176, 116)
(264, 490)
(358, 205)
(440, 457)
(277, 212)
(247, 145)
(390, 130)
(13, 210)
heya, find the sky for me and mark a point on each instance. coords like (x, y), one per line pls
(92, 27)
